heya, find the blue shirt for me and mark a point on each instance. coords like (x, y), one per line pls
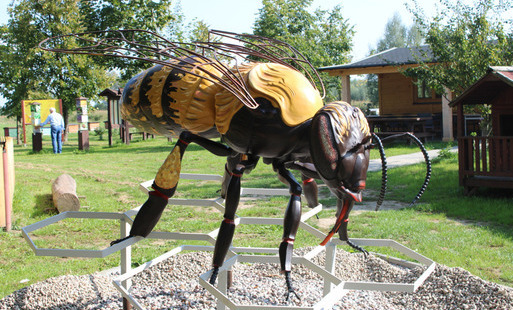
(55, 119)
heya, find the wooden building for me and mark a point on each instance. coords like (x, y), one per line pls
(487, 161)
(399, 95)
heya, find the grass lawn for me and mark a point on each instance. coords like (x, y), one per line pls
(474, 233)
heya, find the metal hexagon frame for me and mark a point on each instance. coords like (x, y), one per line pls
(123, 217)
(334, 287)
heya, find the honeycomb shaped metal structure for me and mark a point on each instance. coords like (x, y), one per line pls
(334, 288)
(78, 252)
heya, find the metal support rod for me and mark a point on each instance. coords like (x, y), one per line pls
(331, 252)
(222, 286)
(125, 261)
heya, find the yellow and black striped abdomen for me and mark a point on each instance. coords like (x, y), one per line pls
(166, 101)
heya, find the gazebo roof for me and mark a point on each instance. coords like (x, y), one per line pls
(487, 88)
(108, 92)
(391, 58)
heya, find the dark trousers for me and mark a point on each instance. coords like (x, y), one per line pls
(57, 139)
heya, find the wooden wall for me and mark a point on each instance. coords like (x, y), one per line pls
(502, 105)
(397, 95)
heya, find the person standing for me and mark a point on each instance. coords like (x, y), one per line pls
(57, 126)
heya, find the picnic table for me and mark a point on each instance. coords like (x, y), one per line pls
(393, 124)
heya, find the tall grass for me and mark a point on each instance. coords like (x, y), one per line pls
(470, 232)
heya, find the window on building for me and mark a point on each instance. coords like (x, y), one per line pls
(424, 92)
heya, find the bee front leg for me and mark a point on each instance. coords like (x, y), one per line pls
(343, 209)
(311, 191)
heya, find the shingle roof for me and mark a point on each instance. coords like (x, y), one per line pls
(109, 92)
(486, 89)
(392, 57)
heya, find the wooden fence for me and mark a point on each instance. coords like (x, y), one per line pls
(486, 161)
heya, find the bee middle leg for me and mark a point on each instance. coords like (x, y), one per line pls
(290, 225)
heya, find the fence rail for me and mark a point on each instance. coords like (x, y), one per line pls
(485, 159)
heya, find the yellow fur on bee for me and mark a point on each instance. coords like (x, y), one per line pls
(343, 115)
(227, 104)
(287, 89)
(136, 87)
(194, 100)
(169, 173)
(154, 94)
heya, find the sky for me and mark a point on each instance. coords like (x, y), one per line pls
(368, 17)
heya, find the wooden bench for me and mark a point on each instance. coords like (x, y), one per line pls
(145, 135)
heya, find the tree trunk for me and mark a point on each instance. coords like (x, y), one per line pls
(65, 115)
(64, 194)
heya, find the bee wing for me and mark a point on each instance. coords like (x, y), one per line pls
(150, 47)
(258, 48)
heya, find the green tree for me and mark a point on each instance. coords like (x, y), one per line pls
(415, 36)
(114, 14)
(396, 34)
(154, 16)
(358, 90)
(465, 40)
(323, 37)
(28, 72)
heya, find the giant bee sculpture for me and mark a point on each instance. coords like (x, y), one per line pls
(259, 96)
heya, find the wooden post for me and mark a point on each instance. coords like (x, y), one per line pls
(37, 141)
(83, 140)
(64, 194)
(109, 120)
(127, 132)
(447, 125)
(6, 183)
(23, 122)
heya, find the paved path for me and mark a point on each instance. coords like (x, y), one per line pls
(403, 160)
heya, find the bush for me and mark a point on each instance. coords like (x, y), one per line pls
(99, 131)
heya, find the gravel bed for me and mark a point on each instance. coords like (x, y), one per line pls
(173, 284)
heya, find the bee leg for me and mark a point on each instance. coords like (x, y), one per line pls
(311, 191)
(164, 187)
(231, 163)
(250, 162)
(290, 225)
(166, 181)
(227, 229)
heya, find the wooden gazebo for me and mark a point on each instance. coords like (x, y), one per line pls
(114, 119)
(400, 96)
(488, 161)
